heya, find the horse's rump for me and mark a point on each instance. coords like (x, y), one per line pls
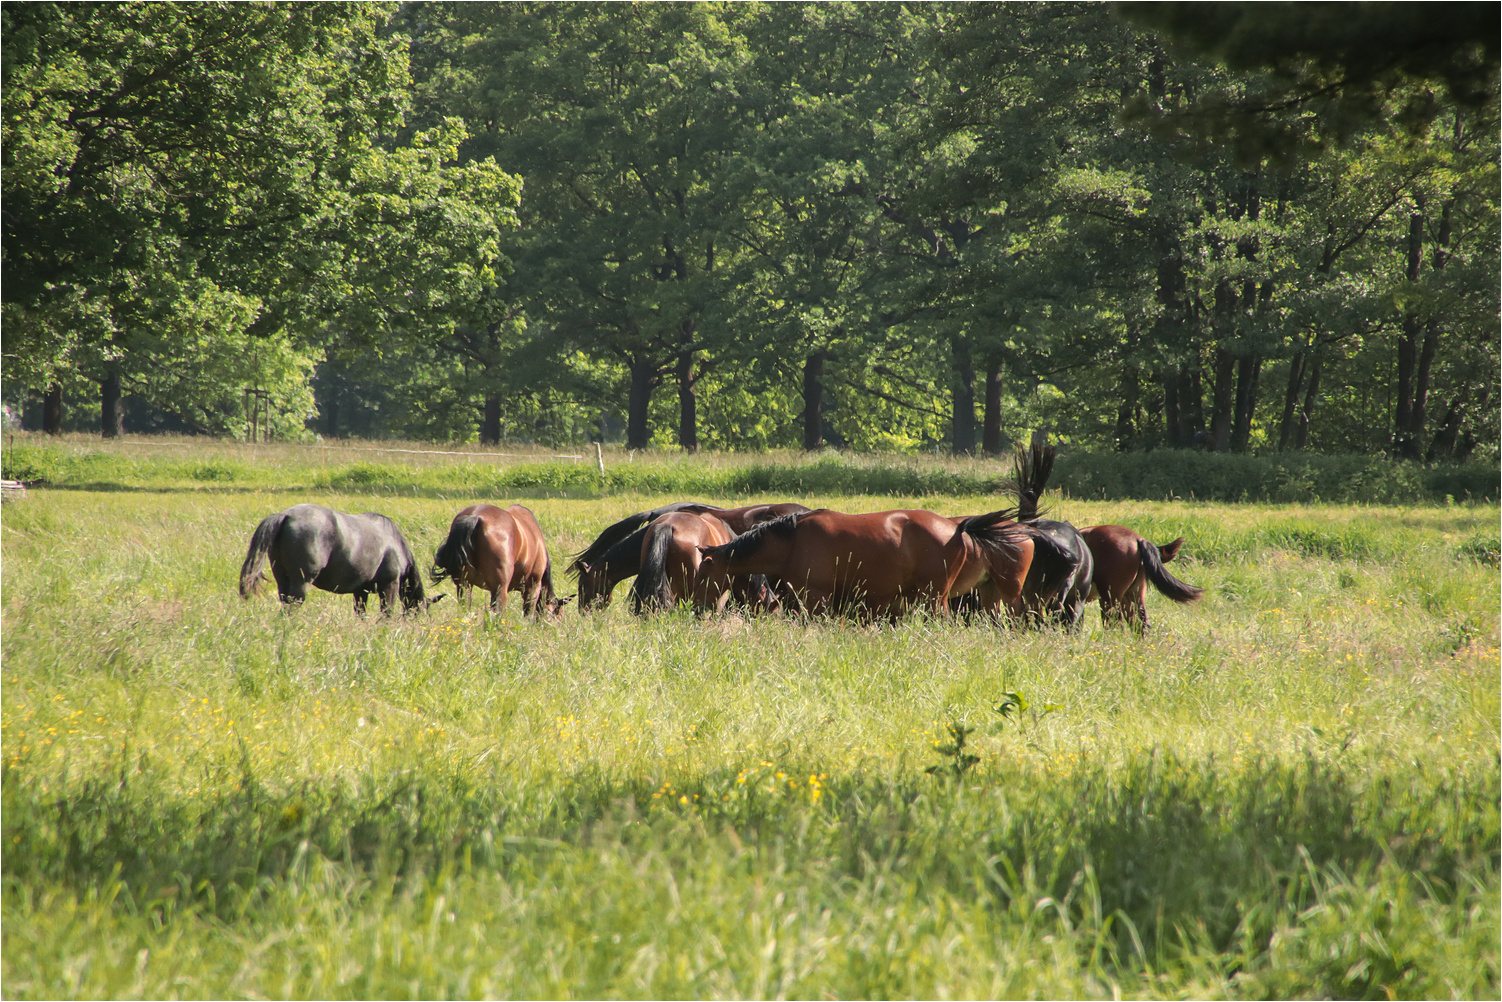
(1170, 586)
(261, 542)
(458, 549)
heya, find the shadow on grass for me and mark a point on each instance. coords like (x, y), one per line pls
(1170, 845)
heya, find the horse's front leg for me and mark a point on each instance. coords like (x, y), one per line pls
(498, 600)
(360, 598)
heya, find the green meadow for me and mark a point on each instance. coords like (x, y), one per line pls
(1288, 789)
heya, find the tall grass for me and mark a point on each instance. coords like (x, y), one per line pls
(1288, 789)
(423, 469)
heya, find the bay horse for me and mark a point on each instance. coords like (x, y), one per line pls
(876, 564)
(501, 551)
(346, 554)
(1125, 563)
(669, 568)
(615, 555)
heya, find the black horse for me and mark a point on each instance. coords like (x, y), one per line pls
(1058, 579)
(337, 552)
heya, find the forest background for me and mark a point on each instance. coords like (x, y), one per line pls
(745, 226)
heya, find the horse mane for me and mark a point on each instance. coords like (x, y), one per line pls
(1032, 468)
(750, 541)
(618, 531)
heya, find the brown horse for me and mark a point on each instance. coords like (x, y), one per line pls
(669, 569)
(501, 551)
(1124, 565)
(877, 564)
(616, 553)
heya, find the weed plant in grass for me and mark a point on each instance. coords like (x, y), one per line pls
(1287, 789)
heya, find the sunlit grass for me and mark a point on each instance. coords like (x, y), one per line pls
(1289, 788)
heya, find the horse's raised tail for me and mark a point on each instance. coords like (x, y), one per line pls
(1165, 582)
(651, 589)
(1032, 467)
(260, 543)
(456, 550)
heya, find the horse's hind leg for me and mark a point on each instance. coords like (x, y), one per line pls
(290, 587)
(388, 596)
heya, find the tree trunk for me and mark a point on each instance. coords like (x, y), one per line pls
(962, 405)
(813, 402)
(1191, 406)
(490, 427)
(1308, 410)
(1291, 399)
(1404, 444)
(1222, 400)
(1171, 428)
(638, 404)
(688, 404)
(1248, 372)
(331, 418)
(52, 410)
(1449, 430)
(991, 431)
(1126, 413)
(1431, 338)
(111, 411)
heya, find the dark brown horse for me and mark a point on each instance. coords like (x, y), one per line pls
(500, 550)
(1125, 564)
(615, 555)
(669, 570)
(878, 565)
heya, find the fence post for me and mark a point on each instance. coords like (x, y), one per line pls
(600, 459)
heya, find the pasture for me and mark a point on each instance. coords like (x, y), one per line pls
(1287, 789)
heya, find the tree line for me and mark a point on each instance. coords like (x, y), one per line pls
(894, 226)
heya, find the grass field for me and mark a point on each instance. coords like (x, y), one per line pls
(1289, 789)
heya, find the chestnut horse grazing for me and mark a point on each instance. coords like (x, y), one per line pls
(616, 553)
(1124, 565)
(334, 551)
(669, 570)
(501, 551)
(877, 564)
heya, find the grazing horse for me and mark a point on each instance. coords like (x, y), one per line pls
(337, 552)
(669, 570)
(1051, 578)
(877, 564)
(1124, 565)
(501, 551)
(615, 555)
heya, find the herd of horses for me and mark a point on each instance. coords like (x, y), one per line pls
(1009, 565)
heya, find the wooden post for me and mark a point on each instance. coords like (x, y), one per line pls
(600, 459)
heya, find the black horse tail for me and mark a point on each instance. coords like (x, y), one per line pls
(651, 589)
(455, 552)
(1165, 582)
(265, 535)
(997, 531)
(1033, 468)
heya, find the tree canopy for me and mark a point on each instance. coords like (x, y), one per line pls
(1236, 227)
